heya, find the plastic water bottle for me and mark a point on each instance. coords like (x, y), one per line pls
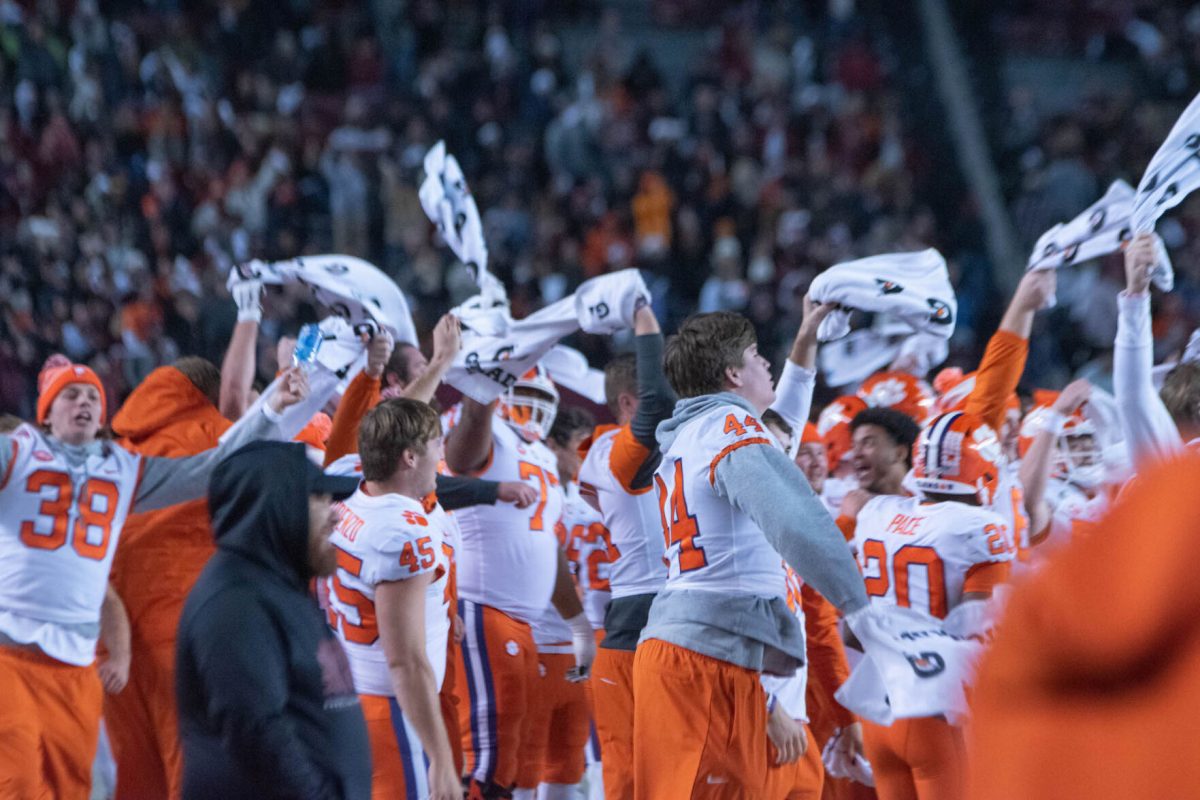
(308, 344)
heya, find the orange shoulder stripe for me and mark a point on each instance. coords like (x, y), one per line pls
(985, 577)
(712, 468)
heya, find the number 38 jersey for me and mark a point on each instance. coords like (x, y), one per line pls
(387, 538)
(509, 555)
(710, 543)
(924, 555)
(59, 525)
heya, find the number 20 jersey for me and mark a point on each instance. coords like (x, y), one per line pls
(509, 556)
(919, 555)
(711, 544)
(59, 527)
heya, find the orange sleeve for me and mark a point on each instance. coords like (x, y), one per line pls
(361, 396)
(827, 665)
(984, 578)
(627, 457)
(847, 524)
(997, 377)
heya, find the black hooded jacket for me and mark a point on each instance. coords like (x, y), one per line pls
(267, 707)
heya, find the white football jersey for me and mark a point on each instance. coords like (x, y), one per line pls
(711, 544)
(509, 555)
(790, 691)
(589, 550)
(59, 528)
(635, 530)
(1009, 505)
(917, 555)
(1070, 504)
(387, 538)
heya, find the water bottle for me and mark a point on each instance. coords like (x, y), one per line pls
(308, 344)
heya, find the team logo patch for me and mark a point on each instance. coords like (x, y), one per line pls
(939, 312)
(42, 455)
(888, 287)
(927, 664)
(512, 648)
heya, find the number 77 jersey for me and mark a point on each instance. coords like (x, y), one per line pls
(711, 544)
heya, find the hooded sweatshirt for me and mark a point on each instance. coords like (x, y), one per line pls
(267, 707)
(760, 481)
(162, 552)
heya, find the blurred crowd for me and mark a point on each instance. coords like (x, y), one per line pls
(1056, 164)
(146, 148)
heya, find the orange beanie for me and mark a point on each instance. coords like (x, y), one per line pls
(56, 376)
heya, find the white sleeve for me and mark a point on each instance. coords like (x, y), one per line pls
(1149, 430)
(793, 398)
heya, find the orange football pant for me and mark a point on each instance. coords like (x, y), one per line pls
(917, 759)
(558, 726)
(143, 728)
(49, 726)
(449, 702)
(800, 780)
(612, 693)
(701, 725)
(399, 769)
(496, 672)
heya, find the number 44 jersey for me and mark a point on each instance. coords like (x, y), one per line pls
(711, 543)
(925, 556)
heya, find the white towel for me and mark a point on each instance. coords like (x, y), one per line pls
(569, 368)
(914, 287)
(449, 204)
(1173, 173)
(350, 287)
(913, 667)
(606, 304)
(1102, 228)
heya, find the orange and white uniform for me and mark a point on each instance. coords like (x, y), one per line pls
(925, 556)
(590, 553)
(62, 510)
(506, 572)
(384, 538)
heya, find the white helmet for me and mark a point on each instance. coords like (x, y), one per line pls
(531, 413)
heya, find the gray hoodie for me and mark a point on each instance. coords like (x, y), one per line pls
(758, 633)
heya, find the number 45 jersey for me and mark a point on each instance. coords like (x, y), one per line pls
(711, 544)
(509, 555)
(925, 556)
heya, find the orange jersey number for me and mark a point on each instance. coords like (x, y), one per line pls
(422, 558)
(527, 470)
(96, 492)
(682, 528)
(365, 631)
(907, 557)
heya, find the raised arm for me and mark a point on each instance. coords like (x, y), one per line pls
(1004, 359)
(447, 341)
(1038, 460)
(656, 402)
(469, 443)
(1149, 431)
(167, 481)
(361, 396)
(793, 394)
(237, 370)
(762, 482)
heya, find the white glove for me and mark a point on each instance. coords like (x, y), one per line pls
(583, 642)
(607, 304)
(247, 293)
(839, 765)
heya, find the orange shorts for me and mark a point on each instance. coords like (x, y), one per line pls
(49, 726)
(801, 780)
(911, 758)
(399, 768)
(496, 671)
(701, 725)
(558, 726)
(612, 693)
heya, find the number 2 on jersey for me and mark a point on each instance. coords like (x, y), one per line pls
(681, 528)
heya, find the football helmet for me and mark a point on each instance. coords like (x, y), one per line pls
(957, 454)
(906, 393)
(1078, 457)
(833, 426)
(530, 405)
